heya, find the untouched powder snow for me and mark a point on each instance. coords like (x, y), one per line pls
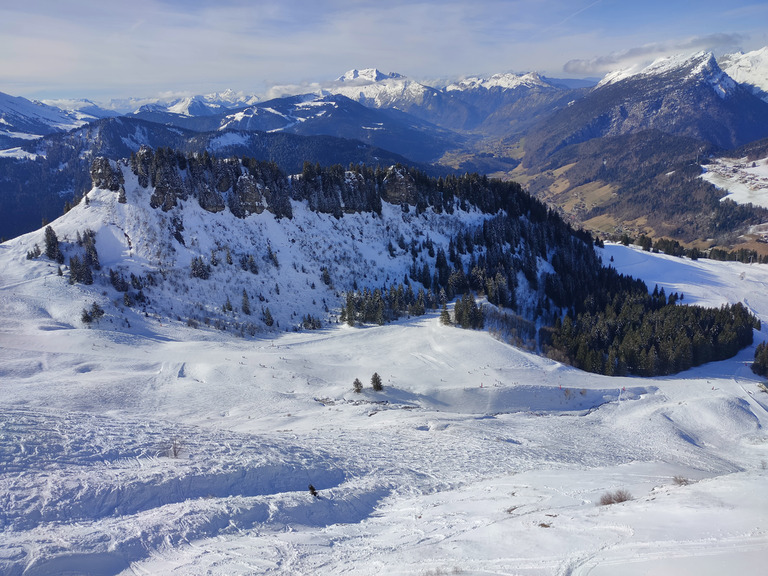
(165, 450)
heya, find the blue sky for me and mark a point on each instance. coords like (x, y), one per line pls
(107, 49)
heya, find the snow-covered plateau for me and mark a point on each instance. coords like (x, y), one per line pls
(161, 449)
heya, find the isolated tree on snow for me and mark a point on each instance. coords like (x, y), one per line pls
(92, 315)
(376, 382)
(52, 246)
(199, 269)
(357, 385)
(445, 316)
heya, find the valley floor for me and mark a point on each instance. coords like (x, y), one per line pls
(173, 451)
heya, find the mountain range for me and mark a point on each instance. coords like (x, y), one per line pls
(543, 132)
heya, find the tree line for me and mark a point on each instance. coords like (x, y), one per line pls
(647, 334)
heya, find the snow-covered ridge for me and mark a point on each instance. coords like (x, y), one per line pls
(185, 104)
(371, 87)
(33, 119)
(367, 75)
(211, 103)
(686, 67)
(134, 238)
(506, 81)
(750, 69)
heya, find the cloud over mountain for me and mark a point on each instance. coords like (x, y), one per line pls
(641, 56)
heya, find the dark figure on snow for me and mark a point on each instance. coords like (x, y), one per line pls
(313, 491)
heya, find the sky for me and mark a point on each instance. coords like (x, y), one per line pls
(103, 49)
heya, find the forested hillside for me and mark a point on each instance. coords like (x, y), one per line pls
(399, 242)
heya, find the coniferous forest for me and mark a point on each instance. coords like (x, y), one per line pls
(647, 335)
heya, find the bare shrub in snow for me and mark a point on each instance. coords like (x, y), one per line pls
(443, 571)
(615, 497)
(174, 450)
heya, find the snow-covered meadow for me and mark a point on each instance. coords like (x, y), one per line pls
(168, 450)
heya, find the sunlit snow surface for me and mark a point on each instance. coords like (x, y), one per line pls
(745, 181)
(477, 458)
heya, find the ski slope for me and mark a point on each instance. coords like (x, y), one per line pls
(165, 450)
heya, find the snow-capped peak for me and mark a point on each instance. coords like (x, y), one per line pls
(231, 99)
(211, 103)
(195, 106)
(750, 69)
(506, 81)
(368, 75)
(686, 67)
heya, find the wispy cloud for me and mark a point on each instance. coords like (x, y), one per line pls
(647, 53)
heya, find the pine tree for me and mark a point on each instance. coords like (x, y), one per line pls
(760, 365)
(376, 382)
(350, 307)
(91, 258)
(246, 303)
(52, 250)
(445, 316)
(357, 386)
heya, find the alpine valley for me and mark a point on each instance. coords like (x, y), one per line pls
(505, 325)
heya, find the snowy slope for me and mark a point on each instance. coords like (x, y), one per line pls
(157, 448)
(24, 119)
(750, 69)
(82, 108)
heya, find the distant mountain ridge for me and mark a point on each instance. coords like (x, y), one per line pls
(22, 120)
(510, 125)
(687, 96)
(32, 190)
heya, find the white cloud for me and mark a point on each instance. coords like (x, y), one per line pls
(649, 52)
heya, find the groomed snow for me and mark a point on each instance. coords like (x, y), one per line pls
(162, 451)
